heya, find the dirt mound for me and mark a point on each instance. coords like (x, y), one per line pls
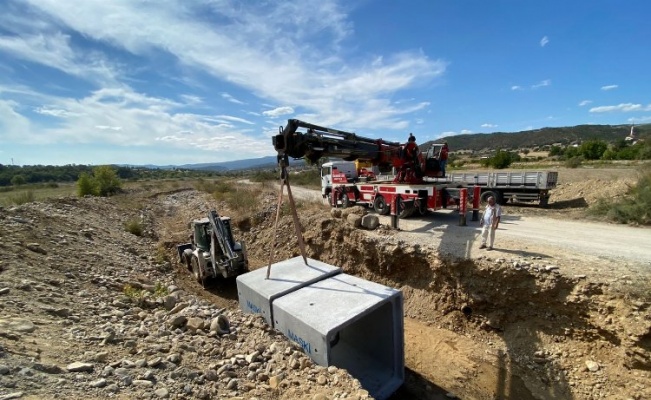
(591, 190)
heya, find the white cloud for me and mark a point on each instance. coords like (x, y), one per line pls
(516, 87)
(465, 131)
(624, 107)
(54, 50)
(55, 112)
(488, 126)
(245, 48)
(544, 41)
(584, 103)
(540, 84)
(240, 54)
(231, 98)
(191, 100)
(108, 128)
(639, 120)
(133, 119)
(12, 123)
(235, 119)
(609, 87)
(276, 112)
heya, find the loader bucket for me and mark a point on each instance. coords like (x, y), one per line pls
(181, 248)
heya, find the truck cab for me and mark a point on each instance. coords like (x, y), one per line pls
(337, 172)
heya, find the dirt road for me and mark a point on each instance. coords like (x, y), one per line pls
(580, 242)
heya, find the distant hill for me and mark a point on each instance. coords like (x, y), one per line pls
(237, 165)
(540, 137)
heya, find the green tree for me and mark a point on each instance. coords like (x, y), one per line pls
(501, 159)
(107, 180)
(18, 180)
(593, 149)
(609, 154)
(86, 185)
(571, 152)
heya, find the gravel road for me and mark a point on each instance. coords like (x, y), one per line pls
(526, 235)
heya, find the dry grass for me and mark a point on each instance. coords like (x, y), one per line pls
(29, 193)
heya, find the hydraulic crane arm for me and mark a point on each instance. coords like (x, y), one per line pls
(319, 141)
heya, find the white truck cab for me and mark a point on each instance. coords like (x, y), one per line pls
(347, 168)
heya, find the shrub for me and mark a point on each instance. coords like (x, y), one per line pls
(264, 176)
(107, 180)
(502, 159)
(134, 227)
(573, 162)
(593, 149)
(633, 209)
(104, 181)
(309, 178)
(86, 185)
(22, 198)
(18, 180)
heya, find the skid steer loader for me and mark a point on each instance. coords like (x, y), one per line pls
(213, 253)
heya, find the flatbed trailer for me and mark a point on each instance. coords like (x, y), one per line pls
(518, 186)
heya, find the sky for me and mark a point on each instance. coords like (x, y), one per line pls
(176, 81)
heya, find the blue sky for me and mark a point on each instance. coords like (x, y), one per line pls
(175, 81)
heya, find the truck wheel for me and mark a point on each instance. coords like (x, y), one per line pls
(485, 195)
(544, 201)
(422, 207)
(380, 205)
(345, 201)
(196, 270)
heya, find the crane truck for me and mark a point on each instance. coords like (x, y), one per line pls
(418, 185)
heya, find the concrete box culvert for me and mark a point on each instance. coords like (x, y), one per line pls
(256, 292)
(350, 323)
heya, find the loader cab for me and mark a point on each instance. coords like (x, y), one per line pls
(201, 233)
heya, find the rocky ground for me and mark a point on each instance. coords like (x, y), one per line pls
(89, 310)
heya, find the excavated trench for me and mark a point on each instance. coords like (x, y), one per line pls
(476, 329)
(472, 330)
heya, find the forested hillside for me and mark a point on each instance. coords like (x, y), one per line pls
(20, 175)
(541, 137)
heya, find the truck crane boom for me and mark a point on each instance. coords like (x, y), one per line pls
(318, 141)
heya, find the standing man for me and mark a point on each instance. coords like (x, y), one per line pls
(443, 158)
(489, 222)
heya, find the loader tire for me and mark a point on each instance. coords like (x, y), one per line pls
(196, 270)
(187, 260)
